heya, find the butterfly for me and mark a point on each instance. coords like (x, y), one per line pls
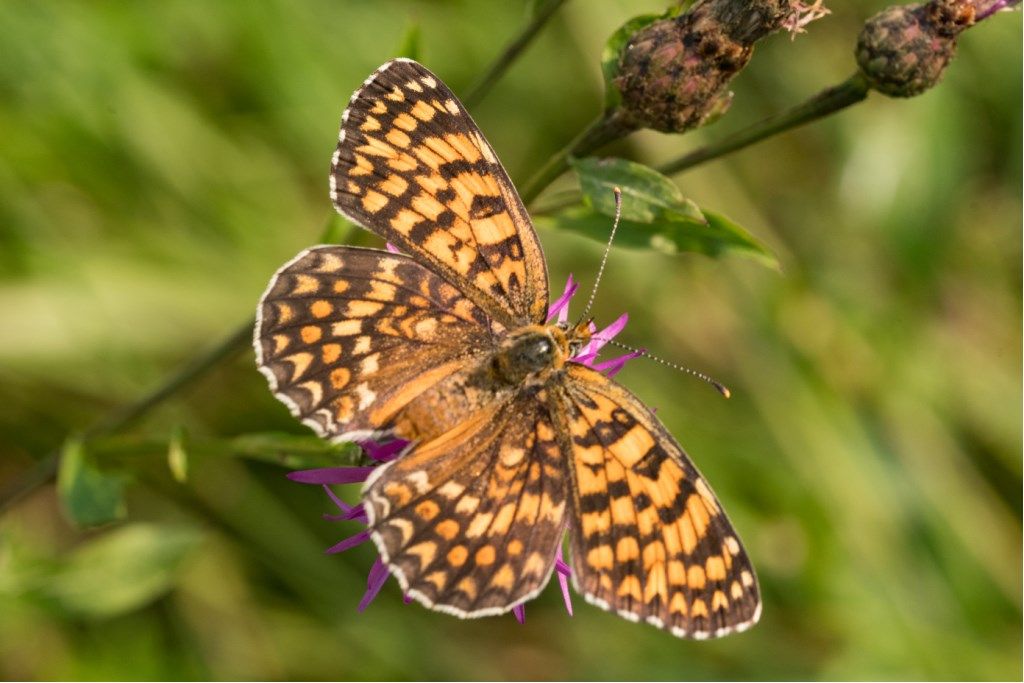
(445, 344)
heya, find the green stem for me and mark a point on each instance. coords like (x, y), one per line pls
(45, 469)
(849, 92)
(482, 85)
(600, 132)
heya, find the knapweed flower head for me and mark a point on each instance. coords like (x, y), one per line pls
(383, 452)
(674, 74)
(904, 50)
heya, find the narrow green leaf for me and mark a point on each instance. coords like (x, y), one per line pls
(411, 43)
(89, 496)
(123, 570)
(296, 451)
(613, 50)
(177, 457)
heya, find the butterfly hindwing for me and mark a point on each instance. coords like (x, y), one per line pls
(470, 521)
(650, 540)
(413, 167)
(348, 336)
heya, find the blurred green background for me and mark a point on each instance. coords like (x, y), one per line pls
(159, 161)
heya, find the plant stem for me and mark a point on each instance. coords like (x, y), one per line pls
(482, 85)
(45, 469)
(600, 132)
(849, 92)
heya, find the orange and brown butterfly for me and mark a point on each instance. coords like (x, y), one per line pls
(446, 345)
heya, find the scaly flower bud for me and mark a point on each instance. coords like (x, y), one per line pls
(673, 74)
(903, 50)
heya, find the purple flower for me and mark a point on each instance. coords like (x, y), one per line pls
(386, 451)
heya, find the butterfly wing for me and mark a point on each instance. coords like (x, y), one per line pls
(650, 540)
(469, 522)
(413, 167)
(347, 337)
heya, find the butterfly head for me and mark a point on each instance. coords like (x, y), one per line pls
(576, 336)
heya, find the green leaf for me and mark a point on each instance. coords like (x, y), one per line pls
(411, 43)
(731, 235)
(655, 214)
(646, 194)
(613, 50)
(177, 456)
(718, 236)
(122, 570)
(296, 451)
(89, 495)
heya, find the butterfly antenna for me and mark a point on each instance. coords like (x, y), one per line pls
(722, 389)
(604, 259)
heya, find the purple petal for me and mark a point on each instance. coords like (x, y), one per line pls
(614, 365)
(563, 571)
(331, 475)
(350, 512)
(383, 452)
(350, 542)
(335, 518)
(601, 338)
(585, 358)
(985, 12)
(347, 511)
(519, 612)
(560, 306)
(374, 582)
(342, 505)
(392, 248)
(406, 598)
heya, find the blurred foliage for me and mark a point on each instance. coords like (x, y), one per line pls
(161, 160)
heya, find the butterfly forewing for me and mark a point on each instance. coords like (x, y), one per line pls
(650, 540)
(470, 521)
(348, 336)
(412, 167)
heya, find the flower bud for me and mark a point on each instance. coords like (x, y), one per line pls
(673, 74)
(675, 71)
(903, 50)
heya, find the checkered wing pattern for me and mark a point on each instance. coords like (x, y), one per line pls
(650, 540)
(470, 521)
(413, 167)
(347, 337)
